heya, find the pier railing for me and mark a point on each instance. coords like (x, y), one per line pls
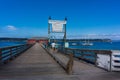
(84, 54)
(67, 66)
(8, 53)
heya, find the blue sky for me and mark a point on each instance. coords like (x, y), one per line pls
(27, 18)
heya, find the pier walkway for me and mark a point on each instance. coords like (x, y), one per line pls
(86, 71)
(34, 64)
(37, 64)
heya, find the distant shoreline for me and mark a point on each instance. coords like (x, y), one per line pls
(93, 40)
(59, 40)
(12, 39)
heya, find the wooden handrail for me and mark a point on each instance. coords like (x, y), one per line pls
(84, 53)
(7, 53)
(13, 46)
(90, 50)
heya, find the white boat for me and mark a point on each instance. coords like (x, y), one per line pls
(87, 43)
(74, 44)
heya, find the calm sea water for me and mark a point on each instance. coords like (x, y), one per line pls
(6, 44)
(114, 45)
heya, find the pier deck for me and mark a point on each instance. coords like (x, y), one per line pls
(86, 71)
(37, 64)
(34, 64)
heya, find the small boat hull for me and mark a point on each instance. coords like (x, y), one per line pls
(87, 44)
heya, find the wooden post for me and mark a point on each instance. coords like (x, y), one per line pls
(82, 54)
(96, 63)
(16, 51)
(0, 55)
(11, 57)
(70, 64)
(110, 62)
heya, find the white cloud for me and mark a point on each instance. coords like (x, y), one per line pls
(12, 28)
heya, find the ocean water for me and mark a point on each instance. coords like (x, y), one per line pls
(6, 44)
(114, 45)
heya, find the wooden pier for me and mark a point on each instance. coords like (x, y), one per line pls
(34, 64)
(37, 64)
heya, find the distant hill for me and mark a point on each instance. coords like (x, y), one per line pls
(12, 39)
(93, 40)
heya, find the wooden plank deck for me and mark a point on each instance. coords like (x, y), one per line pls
(86, 71)
(34, 64)
(37, 64)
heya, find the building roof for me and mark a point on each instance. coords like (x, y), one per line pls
(37, 38)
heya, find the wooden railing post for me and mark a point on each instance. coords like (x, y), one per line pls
(11, 54)
(96, 57)
(0, 55)
(70, 64)
(16, 50)
(110, 62)
(82, 54)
